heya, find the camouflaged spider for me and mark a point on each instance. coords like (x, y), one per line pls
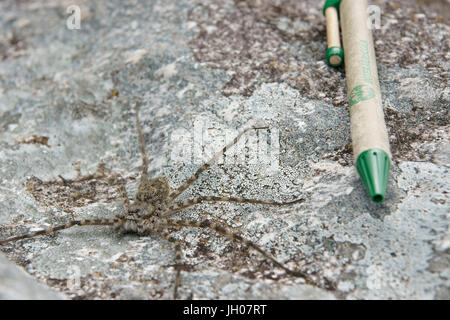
(150, 211)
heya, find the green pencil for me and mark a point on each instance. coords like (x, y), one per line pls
(369, 135)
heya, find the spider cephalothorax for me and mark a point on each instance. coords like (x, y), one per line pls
(154, 191)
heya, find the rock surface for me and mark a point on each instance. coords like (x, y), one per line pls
(209, 67)
(17, 284)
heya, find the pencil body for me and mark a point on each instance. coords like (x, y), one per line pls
(368, 129)
(333, 38)
(335, 54)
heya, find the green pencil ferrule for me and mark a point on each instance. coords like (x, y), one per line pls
(335, 56)
(332, 3)
(373, 167)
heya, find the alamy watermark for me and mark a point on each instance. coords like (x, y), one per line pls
(374, 19)
(74, 278)
(73, 22)
(257, 147)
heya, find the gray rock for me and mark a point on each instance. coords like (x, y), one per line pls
(17, 284)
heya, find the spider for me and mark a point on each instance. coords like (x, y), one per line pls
(150, 212)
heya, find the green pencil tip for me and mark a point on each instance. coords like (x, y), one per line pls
(373, 168)
(335, 56)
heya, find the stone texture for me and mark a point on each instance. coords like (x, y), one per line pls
(66, 108)
(17, 284)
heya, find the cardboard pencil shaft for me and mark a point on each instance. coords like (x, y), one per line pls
(332, 19)
(368, 130)
(335, 54)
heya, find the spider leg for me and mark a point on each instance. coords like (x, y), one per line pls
(87, 222)
(223, 231)
(165, 235)
(124, 194)
(176, 207)
(145, 160)
(204, 167)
